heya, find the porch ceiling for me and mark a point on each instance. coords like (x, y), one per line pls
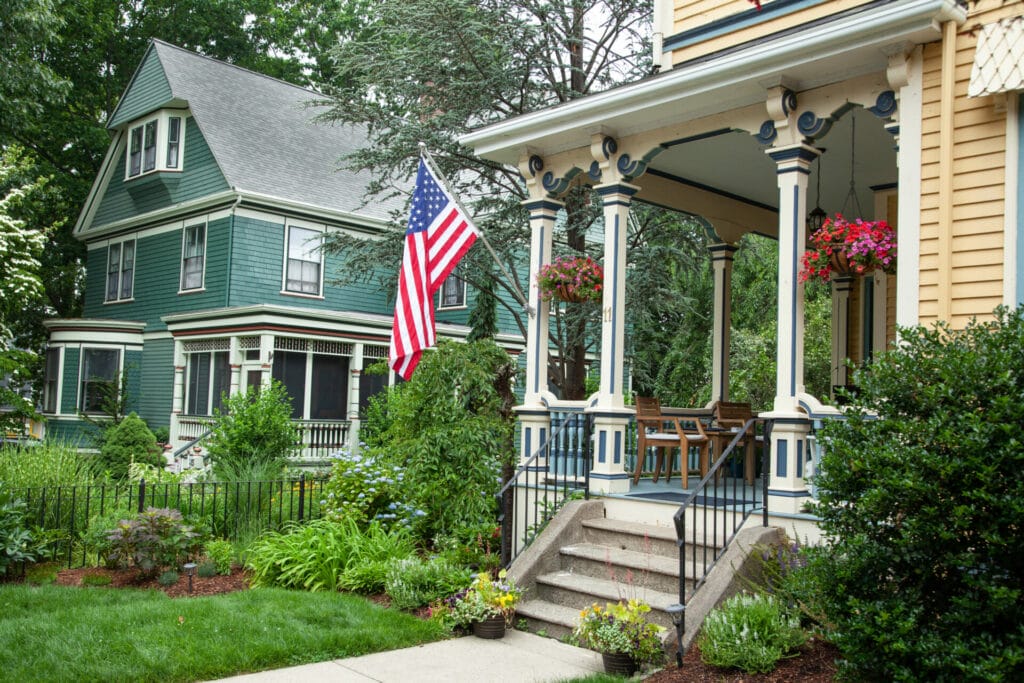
(734, 164)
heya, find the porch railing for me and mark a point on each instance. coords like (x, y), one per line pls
(722, 505)
(558, 471)
(317, 438)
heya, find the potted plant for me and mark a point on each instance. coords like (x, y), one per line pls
(573, 279)
(487, 605)
(621, 633)
(842, 247)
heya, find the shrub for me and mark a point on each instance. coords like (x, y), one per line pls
(96, 538)
(413, 583)
(126, 442)
(363, 487)
(451, 433)
(220, 554)
(253, 427)
(168, 578)
(16, 542)
(749, 632)
(922, 500)
(154, 539)
(310, 556)
(371, 552)
(207, 570)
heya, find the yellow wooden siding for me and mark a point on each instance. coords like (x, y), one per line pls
(689, 15)
(892, 216)
(974, 283)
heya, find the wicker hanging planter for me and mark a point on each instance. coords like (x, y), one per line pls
(841, 266)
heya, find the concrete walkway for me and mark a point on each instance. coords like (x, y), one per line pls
(518, 657)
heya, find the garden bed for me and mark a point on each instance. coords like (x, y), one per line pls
(814, 663)
(130, 578)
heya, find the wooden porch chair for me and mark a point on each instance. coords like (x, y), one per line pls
(729, 419)
(651, 433)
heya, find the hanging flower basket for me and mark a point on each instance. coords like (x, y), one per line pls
(571, 279)
(842, 247)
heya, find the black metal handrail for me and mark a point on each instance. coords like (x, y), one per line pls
(538, 489)
(737, 508)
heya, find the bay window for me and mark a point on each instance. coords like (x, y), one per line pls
(98, 378)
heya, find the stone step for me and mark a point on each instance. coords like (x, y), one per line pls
(578, 592)
(644, 538)
(638, 569)
(547, 619)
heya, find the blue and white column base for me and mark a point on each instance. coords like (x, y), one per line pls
(608, 474)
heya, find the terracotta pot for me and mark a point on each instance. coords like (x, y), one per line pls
(490, 628)
(619, 663)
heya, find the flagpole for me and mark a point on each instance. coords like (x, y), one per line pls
(426, 156)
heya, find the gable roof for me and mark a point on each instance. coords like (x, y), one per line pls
(260, 130)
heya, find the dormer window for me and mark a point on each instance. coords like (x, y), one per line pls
(155, 144)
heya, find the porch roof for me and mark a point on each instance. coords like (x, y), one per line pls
(844, 45)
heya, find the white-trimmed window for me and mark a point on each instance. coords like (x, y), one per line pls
(452, 293)
(193, 257)
(173, 141)
(209, 379)
(98, 378)
(155, 144)
(120, 271)
(303, 273)
(51, 380)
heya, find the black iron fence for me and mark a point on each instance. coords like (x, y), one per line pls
(229, 510)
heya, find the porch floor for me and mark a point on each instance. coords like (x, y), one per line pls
(729, 491)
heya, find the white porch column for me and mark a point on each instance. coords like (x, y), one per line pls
(721, 263)
(841, 288)
(534, 420)
(266, 359)
(235, 357)
(178, 391)
(611, 417)
(787, 489)
(356, 374)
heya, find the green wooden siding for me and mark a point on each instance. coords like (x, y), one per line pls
(257, 265)
(74, 432)
(132, 364)
(149, 90)
(157, 383)
(199, 176)
(157, 278)
(69, 381)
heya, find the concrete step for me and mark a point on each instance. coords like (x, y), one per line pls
(577, 592)
(547, 619)
(639, 569)
(645, 538)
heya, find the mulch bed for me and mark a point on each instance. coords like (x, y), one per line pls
(815, 663)
(130, 578)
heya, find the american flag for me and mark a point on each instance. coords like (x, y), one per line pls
(439, 234)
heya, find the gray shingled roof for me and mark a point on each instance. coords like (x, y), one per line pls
(262, 134)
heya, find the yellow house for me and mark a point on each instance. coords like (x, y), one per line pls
(903, 110)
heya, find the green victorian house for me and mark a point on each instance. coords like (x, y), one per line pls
(204, 272)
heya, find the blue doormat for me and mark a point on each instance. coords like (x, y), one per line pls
(680, 497)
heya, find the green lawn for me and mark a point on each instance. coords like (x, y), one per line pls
(52, 633)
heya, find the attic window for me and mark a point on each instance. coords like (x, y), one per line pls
(154, 144)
